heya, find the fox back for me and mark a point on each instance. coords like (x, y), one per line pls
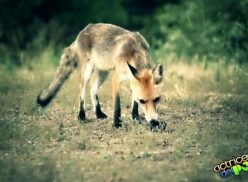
(108, 45)
(102, 48)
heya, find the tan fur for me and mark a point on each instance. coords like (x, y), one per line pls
(102, 48)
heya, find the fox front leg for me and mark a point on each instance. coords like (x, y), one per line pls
(135, 112)
(117, 111)
(116, 101)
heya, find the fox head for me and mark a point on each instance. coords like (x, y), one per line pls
(145, 89)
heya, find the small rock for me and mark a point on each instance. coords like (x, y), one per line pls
(81, 146)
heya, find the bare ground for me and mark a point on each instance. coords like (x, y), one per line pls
(205, 110)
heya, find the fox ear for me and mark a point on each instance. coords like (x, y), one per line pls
(158, 72)
(133, 71)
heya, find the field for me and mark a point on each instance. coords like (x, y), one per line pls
(205, 106)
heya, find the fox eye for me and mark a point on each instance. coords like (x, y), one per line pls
(157, 99)
(143, 101)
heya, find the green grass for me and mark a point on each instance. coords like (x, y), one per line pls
(205, 108)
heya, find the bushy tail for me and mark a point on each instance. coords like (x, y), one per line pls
(68, 62)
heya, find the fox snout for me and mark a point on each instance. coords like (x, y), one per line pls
(151, 117)
(154, 124)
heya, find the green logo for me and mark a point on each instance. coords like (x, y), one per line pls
(233, 166)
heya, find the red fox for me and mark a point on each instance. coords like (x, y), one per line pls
(102, 48)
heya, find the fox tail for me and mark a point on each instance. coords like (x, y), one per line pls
(68, 63)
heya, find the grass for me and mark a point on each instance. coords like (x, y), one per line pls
(205, 108)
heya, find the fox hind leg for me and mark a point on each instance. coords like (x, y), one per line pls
(88, 70)
(101, 77)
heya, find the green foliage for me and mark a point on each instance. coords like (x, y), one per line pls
(30, 26)
(207, 28)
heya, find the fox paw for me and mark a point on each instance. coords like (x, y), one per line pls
(101, 115)
(136, 119)
(81, 116)
(117, 123)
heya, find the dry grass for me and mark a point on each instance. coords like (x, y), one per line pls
(205, 108)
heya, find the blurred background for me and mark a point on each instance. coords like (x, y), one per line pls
(205, 29)
(203, 45)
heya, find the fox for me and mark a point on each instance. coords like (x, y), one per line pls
(103, 48)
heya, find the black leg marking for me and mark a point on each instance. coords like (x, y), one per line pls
(44, 103)
(81, 114)
(135, 111)
(117, 111)
(99, 113)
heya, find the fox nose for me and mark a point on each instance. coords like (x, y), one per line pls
(154, 122)
(151, 117)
